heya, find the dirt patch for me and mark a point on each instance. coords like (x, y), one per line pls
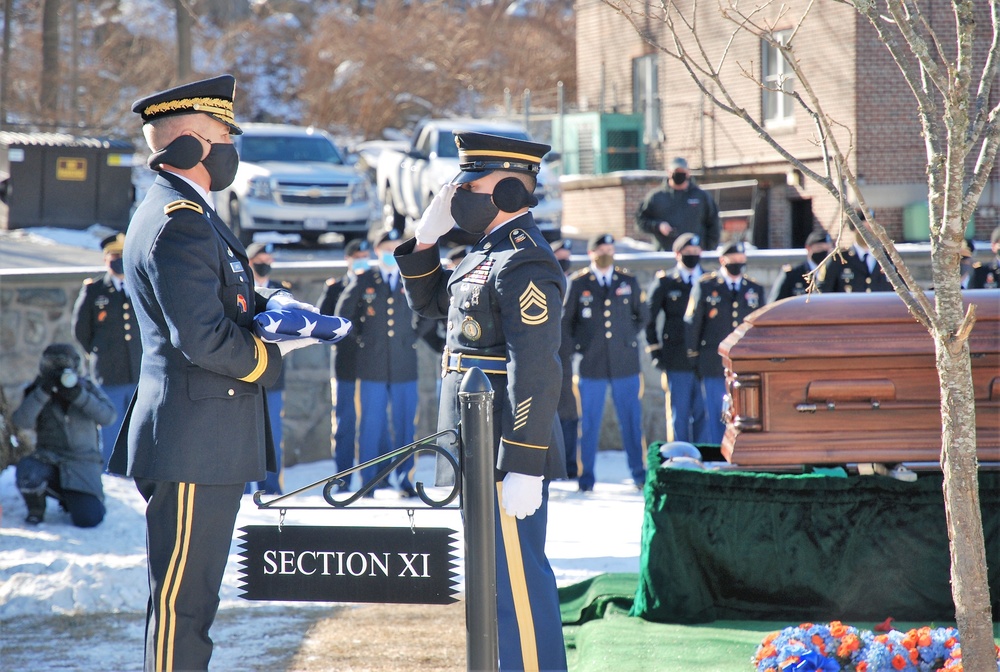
(385, 637)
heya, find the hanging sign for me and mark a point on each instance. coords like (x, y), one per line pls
(348, 564)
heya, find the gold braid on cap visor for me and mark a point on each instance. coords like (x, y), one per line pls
(219, 106)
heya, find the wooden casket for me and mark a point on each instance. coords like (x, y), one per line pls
(849, 378)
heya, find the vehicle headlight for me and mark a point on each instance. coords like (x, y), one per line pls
(358, 193)
(260, 188)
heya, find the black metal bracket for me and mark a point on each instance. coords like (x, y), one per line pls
(394, 459)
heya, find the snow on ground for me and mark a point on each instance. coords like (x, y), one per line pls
(100, 573)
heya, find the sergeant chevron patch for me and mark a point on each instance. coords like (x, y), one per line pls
(534, 306)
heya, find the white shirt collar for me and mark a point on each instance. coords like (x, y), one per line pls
(689, 275)
(197, 187)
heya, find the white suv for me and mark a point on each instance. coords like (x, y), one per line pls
(293, 179)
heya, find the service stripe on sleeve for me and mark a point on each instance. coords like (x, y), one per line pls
(260, 354)
(518, 587)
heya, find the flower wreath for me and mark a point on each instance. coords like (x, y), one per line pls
(838, 647)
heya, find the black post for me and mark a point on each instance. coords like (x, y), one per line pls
(478, 485)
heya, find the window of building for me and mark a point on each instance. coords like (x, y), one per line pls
(777, 105)
(646, 97)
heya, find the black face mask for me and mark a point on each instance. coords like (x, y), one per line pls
(678, 178)
(221, 164)
(117, 266)
(735, 269)
(473, 212)
(690, 260)
(818, 257)
(261, 270)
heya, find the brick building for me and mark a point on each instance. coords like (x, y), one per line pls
(855, 79)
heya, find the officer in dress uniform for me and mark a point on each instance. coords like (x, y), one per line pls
(197, 428)
(503, 304)
(106, 328)
(343, 361)
(387, 360)
(604, 312)
(792, 279)
(668, 294)
(853, 270)
(987, 276)
(718, 304)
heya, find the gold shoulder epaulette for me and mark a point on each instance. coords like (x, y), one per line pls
(661, 274)
(88, 281)
(182, 204)
(580, 273)
(786, 268)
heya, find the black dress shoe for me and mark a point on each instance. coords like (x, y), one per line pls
(407, 492)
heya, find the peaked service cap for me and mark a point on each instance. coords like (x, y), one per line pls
(479, 154)
(213, 97)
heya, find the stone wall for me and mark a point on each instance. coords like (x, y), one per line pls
(36, 310)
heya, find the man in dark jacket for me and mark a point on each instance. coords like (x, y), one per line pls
(64, 409)
(669, 295)
(197, 430)
(604, 313)
(679, 206)
(987, 276)
(386, 364)
(104, 324)
(502, 304)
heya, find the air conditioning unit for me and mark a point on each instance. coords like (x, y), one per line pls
(594, 143)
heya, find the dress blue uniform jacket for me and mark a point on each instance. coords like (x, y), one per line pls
(668, 294)
(199, 414)
(605, 322)
(851, 274)
(714, 311)
(383, 336)
(104, 324)
(791, 281)
(985, 276)
(503, 304)
(344, 354)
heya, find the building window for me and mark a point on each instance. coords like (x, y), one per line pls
(646, 97)
(779, 81)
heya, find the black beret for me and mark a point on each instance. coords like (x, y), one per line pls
(817, 237)
(356, 245)
(479, 154)
(391, 234)
(600, 239)
(213, 97)
(733, 247)
(684, 240)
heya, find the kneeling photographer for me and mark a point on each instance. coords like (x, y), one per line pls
(64, 409)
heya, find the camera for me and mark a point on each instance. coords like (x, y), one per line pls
(68, 378)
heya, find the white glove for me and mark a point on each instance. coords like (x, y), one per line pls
(284, 347)
(437, 219)
(285, 300)
(522, 494)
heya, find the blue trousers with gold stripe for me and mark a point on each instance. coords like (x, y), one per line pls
(189, 530)
(528, 620)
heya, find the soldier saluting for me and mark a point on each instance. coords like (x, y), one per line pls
(502, 303)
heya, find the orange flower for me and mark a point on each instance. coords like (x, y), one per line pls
(848, 645)
(924, 639)
(862, 666)
(771, 637)
(914, 656)
(898, 662)
(950, 642)
(806, 626)
(837, 629)
(767, 652)
(818, 642)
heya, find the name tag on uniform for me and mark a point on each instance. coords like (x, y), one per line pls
(236, 266)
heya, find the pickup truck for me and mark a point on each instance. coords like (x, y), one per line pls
(293, 179)
(407, 181)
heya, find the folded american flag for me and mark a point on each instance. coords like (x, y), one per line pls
(273, 326)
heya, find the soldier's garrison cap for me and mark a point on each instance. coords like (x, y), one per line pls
(387, 237)
(684, 240)
(113, 244)
(213, 97)
(479, 154)
(733, 247)
(817, 237)
(600, 239)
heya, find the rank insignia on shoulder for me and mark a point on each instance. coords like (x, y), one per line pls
(182, 204)
(534, 306)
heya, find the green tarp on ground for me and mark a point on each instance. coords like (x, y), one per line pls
(727, 545)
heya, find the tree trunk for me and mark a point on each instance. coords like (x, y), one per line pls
(48, 95)
(183, 21)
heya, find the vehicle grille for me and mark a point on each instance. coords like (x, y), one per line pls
(310, 193)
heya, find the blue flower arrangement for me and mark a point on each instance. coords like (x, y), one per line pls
(838, 647)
